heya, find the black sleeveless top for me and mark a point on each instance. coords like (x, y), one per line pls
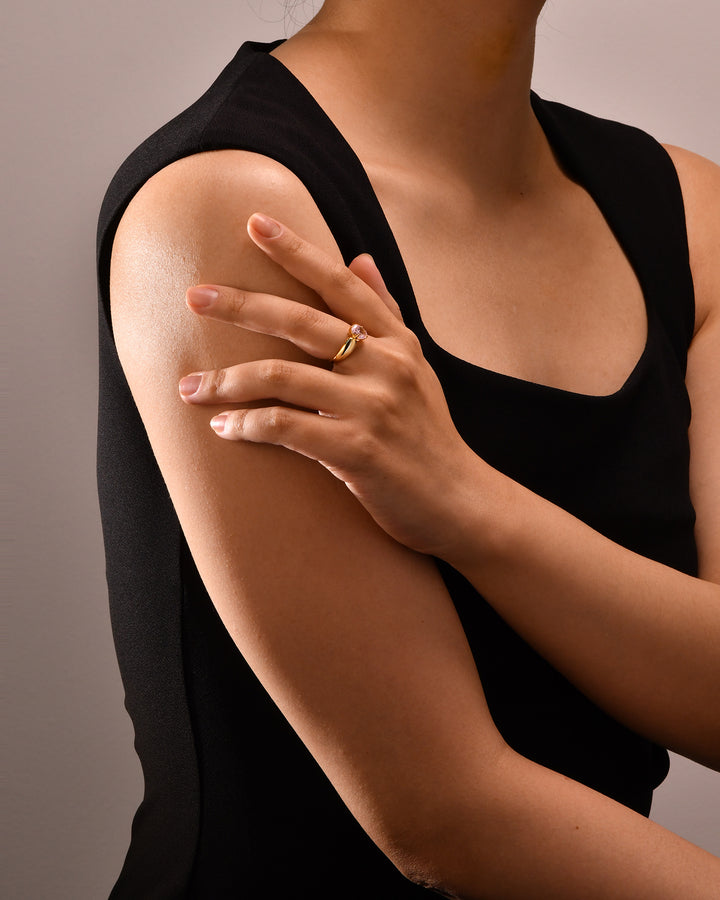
(234, 804)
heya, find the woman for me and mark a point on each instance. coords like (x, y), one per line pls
(492, 718)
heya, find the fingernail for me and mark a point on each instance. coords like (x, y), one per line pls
(202, 297)
(218, 423)
(189, 385)
(264, 225)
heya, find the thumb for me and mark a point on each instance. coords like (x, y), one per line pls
(364, 267)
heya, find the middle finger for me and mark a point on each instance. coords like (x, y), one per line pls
(299, 384)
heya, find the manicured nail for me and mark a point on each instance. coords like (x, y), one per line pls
(202, 297)
(218, 423)
(189, 385)
(264, 225)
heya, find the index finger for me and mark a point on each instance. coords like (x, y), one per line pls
(344, 293)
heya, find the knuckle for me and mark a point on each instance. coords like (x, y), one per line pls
(405, 378)
(275, 372)
(275, 421)
(364, 448)
(341, 277)
(304, 316)
(382, 401)
(237, 301)
(237, 421)
(217, 382)
(412, 343)
(399, 364)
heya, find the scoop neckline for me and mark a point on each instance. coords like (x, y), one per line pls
(563, 153)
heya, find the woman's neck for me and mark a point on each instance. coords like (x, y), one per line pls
(447, 81)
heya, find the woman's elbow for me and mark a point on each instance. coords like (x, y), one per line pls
(439, 860)
(450, 842)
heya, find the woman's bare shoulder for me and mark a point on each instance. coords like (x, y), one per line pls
(188, 225)
(193, 213)
(700, 184)
(201, 176)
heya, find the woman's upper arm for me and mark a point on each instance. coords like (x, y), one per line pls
(353, 635)
(700, 182)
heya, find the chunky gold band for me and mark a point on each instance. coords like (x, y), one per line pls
(355, 333)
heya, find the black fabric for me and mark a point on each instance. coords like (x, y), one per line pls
(235, 806)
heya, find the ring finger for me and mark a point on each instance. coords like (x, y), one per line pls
(317, 333)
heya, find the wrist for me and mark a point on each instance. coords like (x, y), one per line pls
(481, 506)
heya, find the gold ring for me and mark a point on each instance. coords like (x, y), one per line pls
(355, 333)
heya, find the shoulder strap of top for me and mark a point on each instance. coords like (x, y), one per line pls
(634, 182)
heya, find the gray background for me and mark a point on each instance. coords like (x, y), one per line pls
(87, 80)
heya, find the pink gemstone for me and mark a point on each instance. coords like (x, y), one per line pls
(358, 332)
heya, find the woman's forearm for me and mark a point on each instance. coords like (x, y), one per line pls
(641, 639)
(539, 835)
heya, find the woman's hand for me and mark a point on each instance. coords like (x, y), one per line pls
(383, 427)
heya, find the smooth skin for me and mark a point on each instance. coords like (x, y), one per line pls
(415, 754)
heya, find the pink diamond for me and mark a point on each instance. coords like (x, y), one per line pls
(358, 332)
